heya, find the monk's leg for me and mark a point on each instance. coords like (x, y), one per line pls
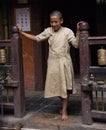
(64, 108)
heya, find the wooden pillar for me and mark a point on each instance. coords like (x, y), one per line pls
(84, 67)
(17, 73)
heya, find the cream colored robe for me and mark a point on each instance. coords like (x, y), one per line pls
(60, 75)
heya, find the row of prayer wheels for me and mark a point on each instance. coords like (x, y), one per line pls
(100, 52)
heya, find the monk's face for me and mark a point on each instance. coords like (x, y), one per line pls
(55, 22)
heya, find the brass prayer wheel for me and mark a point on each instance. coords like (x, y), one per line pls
(2, 56)
(101, 56)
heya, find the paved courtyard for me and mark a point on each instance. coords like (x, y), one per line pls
(43, 114)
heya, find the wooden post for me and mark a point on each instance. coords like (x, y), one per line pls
(84, 67)
(17, 73)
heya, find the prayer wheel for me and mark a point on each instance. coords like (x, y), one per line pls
(2, 56)
(101, 56)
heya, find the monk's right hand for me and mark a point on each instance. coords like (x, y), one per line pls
(19, 27)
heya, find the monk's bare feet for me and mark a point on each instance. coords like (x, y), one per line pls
(64, 116)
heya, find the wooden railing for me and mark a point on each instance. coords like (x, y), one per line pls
(11, 75)
(92, 89)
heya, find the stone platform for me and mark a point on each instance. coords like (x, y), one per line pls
(43, 114)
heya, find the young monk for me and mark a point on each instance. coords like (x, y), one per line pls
(59, 79)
